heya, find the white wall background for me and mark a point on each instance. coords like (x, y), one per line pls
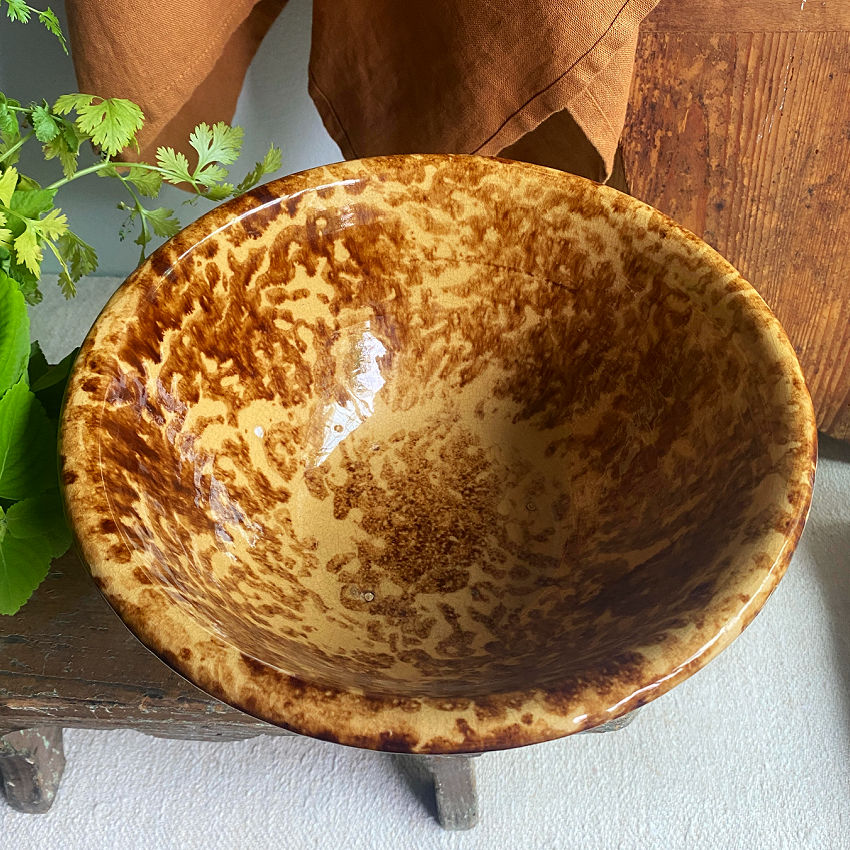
(274, 107)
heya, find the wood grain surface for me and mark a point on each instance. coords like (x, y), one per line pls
(739, 128)
(66, 659)
(714, 16)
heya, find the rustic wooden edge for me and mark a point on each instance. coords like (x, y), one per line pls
(31, 765)
(716, 16)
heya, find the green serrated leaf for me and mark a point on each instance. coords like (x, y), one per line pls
(162, 221)
(41, 517)
(32, 202)
(10, 130)
(26, 280)
(218, 193)
(51, 24)
(174, 164)
(272, 161)
(18, 10)
(49, 389)
(24, 565)
(28, 184)
(27, 250)
(211, 175)
(147, 182)
(80, 259)
(27, 445)
(14, 333)
(8, 182)
(111, 123)
(68, 157)
(45, 125)
(221, 143)
(53, 225)
(66, 103)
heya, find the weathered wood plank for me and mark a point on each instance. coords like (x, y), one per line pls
(31, 765)
(66, 657)
(454, 789)
(716, 16)
(744, 139)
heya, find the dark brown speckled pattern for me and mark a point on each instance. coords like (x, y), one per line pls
(437, 453)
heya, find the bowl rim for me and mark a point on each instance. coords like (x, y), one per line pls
(422, 724)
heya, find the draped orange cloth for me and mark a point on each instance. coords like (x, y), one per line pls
(387, 76)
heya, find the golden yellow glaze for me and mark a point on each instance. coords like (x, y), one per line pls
(437, 453)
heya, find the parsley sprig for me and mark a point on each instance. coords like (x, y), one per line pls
(30, 223)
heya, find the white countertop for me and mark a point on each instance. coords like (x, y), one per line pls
(752, 752)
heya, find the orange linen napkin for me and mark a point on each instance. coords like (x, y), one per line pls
(387, 76)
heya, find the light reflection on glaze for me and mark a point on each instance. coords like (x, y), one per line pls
(361, 382)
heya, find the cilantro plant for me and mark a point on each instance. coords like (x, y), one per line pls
(32, 526)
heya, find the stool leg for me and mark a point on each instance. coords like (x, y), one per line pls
(454, 789)
(31, 765)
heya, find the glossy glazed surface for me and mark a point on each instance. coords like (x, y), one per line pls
(437, 453)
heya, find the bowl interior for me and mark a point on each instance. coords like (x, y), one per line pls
(442, 428)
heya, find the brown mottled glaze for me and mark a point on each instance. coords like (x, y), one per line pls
(437, 453)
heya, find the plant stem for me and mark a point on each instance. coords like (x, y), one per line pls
(22, 141)
(92, 169)
(140, 209)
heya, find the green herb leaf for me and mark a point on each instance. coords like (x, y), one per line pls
(31, 203)
(221, 144)
(27, 281)
(27, 250)
(45, 125)
(272, 161)
(80, 259)
(41, 517)
(8, 182)
(27, 445)
(9, 126)
(218, 193)
(174, 164)
(162, 221)
(53, 225)
(51, 24)
(146, 181)
(10, 129)
(14, 333)
(111, 123)
(67, 154)
(18, 10)
(24, 564)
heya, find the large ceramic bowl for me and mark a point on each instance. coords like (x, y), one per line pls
(436, 453)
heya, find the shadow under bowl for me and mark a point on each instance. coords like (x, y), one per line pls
(436, 453)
